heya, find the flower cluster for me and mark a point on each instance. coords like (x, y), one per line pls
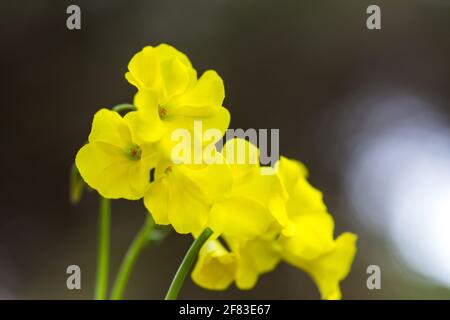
(258, 220)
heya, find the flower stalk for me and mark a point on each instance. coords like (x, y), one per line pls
(142, 238)
(186, 264)
(124, 107)
(101, 286)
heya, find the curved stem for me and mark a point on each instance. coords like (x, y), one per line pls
(124, 107)
(103, 249)
(141, 239)
(186, 264)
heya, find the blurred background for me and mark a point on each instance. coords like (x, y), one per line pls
(368, 112)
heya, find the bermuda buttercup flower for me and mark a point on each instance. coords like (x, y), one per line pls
(256, 201)
(251, 220)
(112, 162)
(312, 247)
(170, 97)
(182, 194)
(230, 196)
(162, 69)
(217, 267)
(330, 267)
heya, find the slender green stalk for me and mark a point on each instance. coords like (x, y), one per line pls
(103, 249)
(141, 239)
(124, 107)
(186, 264)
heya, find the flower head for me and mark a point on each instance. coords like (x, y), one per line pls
(309, 245)
(258, 219)
(256, 201)
(312, 247)
(182, 194)
(112, 162)
(170, 97)
(218, 267)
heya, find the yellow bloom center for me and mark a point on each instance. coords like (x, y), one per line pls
(162, 112)
(135, 153)
(168, 169)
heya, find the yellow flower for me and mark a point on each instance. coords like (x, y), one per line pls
(330, 267)
(256, 201)
(305, 207)
(182, 195)
(163, 70)
(262, 218)
(312, 247)
(112, 162)
(254, 257)
(231, 198)
(170, 96)
(217, 268)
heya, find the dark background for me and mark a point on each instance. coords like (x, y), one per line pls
(301, 66)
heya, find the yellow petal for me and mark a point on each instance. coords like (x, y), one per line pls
(246, 274)
(196, 123)
(156, 201)
(263, 253)
(109, 127)
(144, 69)
(107, 169)
(139, 172)
(183, 194)
(330, 268)
(267, 191)
(304, 198)
(167, 52)
(211, 183)
(243, 158)
(145, 124)
(313, 236)
(254, 258)
(175, 76)
(170, 204)
(239, 217)
(186, 213)
(215, 268)
(208, 91)
(215, 117)
(290, 171)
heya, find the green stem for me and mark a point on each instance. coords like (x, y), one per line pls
(103, 249)
(186, 264)
(124, 107)
(141, 239)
